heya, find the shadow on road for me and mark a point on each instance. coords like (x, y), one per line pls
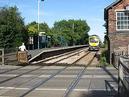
(110, 74)
(94, 93)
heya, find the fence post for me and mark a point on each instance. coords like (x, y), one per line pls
(2, 56)
(123, 72)
(120, 77)
(128, 49)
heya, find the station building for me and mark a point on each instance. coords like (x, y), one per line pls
(116, 17)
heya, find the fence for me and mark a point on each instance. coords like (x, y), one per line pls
(120, 60)
(116, 56)
(123, 77)
(8, 56)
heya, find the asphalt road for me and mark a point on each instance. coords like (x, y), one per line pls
(55, 81)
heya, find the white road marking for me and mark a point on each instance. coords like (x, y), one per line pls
(41, 76)
(59, 76)
(51, 89)
(28, 76)
(99, 68)
(54, 67)
(8, 75)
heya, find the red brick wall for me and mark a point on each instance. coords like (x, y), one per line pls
(112, 15)
(119, 41)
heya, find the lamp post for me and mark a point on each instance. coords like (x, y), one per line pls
(38, 19)
(38, 13)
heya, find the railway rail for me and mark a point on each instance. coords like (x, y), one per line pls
(75, 56)
(71, 53)
(40, 62)
(73, 84)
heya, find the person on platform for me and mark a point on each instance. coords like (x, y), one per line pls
(22, 47)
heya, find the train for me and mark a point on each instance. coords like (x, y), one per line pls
(94, 43)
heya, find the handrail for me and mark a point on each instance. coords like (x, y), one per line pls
(2, 56)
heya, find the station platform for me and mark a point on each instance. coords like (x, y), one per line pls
(35, 53)
(10, 58)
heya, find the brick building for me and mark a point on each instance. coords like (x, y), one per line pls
(116, 16)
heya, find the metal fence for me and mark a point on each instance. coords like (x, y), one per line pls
(8, 56)
(123, 77)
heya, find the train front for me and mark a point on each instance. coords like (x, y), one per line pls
(93, 43)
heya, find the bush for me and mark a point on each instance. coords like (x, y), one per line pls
(104, 58)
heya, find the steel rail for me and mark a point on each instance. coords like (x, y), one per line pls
(42, 73)
(19, 75)
(37, 63)
(75, 82)
(34, 77)
(11, 69)
(56, 62)
(37, 76)
(58, 56)
(47, 79)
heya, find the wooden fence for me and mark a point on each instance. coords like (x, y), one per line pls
(8, 56)
(121, 62)
(123, 77)
(2, 62)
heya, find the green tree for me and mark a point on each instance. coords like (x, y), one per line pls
(12, 31)
(33, 28)
(73, 31)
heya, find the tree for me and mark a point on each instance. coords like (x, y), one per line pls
(33, 31)
(12, 31)
(73, 31)
(33, 28)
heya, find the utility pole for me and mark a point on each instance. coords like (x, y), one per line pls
(39, 11)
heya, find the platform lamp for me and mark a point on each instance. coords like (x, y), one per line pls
(38, 20)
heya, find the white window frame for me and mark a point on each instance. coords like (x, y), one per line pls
(117, 20)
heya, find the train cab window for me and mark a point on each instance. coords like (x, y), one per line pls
(92, 40)
(122, 20)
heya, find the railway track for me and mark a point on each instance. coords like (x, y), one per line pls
(75, 82)
(79, 55)
(69, 55)
(40, 62)
(68, 58)
(59, 57)
(72, 85)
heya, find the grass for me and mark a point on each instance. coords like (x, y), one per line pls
(103, 61)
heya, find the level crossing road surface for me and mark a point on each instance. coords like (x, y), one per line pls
(56, 81)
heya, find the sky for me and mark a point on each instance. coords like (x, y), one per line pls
(55, 10)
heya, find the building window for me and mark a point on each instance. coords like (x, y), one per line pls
(122, 20)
